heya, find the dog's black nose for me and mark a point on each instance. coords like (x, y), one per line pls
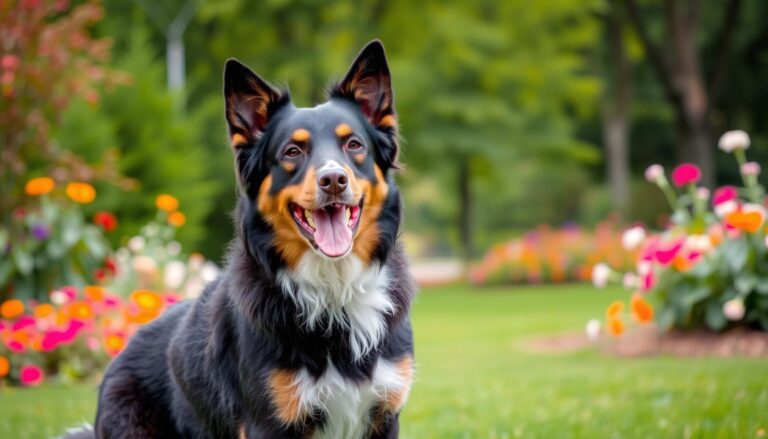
(333, 181)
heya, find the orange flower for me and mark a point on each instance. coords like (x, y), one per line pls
(81, 311)
(43, 310)
(614, 309)
(5, 366)
(682, 263)
(177, 219)
(82, 193)
(39, 186)
(10, 309)
(114, 344)
(166, 202)
(94, 293)
(147, 300)
(746, 221)
(615, 327)
(641, 310)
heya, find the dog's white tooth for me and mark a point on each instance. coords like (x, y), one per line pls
(310, 218)
(349, 213)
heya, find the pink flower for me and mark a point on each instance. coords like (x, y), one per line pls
(666, 252)
(601, 273)
(654, 173)
(750, 168)
(31, 375)
(9, 62)
(725, 193)
(687, 173)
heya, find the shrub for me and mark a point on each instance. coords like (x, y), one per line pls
(552, 255)
(709, 267)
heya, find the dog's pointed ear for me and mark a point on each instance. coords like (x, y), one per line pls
(369, 84)
(250, 101)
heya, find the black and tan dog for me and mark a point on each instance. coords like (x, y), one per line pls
(306, 333)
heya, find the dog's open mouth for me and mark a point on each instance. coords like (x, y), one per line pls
(331, 228)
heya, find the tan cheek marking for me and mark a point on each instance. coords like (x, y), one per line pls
(288, 240)
(343, 130)
(359, 158)
(300, 135)
(368, 231)
(238, 139)
(282, 385)
(396, 399)
(242, 434)
(388, 121)
(288, 166)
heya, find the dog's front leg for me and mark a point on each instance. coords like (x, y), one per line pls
(386, 427)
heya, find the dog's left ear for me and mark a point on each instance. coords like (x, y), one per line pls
(368, 83)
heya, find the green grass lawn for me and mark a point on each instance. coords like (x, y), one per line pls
(476, 378)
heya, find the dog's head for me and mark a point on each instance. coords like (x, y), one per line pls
(315, 179)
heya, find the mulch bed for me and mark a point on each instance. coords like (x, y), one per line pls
(647, 341)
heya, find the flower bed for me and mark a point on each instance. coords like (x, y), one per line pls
(709, 267)
(548, 255)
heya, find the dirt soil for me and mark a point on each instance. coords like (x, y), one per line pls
(647, 341)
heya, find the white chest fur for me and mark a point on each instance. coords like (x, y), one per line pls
(343, 291)
(347, 404)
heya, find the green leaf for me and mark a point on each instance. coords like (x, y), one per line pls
(762, 286)
(745, 283)
(24, 261)
(735, 253)
(71, 229)
(665, 318)
(690, 296)
(714, 316)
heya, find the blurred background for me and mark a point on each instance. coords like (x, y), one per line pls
(527, 130)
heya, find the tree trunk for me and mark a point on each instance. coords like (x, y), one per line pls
(465, 208)
(616, 107)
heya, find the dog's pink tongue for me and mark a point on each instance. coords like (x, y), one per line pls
(332, 234)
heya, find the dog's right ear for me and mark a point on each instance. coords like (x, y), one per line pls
(250, 101)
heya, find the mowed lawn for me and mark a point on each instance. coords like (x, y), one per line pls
(476, 378)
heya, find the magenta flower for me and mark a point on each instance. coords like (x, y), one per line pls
(724, 194)
(666, 252)
(687, 173)
(31, 375)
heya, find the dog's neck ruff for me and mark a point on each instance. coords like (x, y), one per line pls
(343, 292)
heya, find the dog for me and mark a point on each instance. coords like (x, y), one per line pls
(306, 333)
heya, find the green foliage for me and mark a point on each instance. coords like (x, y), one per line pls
(48, 245)
(159, 145)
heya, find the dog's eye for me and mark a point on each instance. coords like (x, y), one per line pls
(354, 145)
(292, 151)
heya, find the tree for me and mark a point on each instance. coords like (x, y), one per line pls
(679, 69)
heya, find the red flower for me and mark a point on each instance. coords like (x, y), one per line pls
(105, 220)
(687, 173)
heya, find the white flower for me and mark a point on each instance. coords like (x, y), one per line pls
(698, 243)
(136, 244)
(631, 281)
(600, 275)
(644, 267)
(654, 173)
(59, 297)
(173, 248)
(754, 207)
(726, 207)
(702, 193)
(751, 168)
(144, 265)
(593, 329)
(734, 309)
(737, 139)
(209, 272)
(766, 240)
(174, 274)
(632, 238)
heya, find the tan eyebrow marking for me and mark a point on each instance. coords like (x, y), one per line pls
(300, 135)
(238, 139)
(388, 121)
(343, 130)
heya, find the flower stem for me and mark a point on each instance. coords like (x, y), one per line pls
(750, 181)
